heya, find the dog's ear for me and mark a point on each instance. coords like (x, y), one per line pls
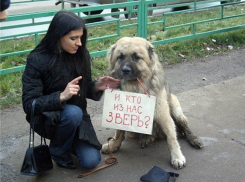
(110, 52)
(151, 51)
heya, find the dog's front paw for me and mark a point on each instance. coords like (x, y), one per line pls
(113, 147)
(178, 162)
(105, 149)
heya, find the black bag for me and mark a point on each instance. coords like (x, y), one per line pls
(156, 174)
(37, 158)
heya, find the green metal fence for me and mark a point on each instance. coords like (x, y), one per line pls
(139, 10)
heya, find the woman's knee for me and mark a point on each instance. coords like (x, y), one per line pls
(89, 156)
(91, 162)
(72, 114)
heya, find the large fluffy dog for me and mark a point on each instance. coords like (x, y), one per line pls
(132, 58)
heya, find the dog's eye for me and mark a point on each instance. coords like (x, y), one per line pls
(120, 57)
(135, 57)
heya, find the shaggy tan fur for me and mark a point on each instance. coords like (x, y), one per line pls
(132, 58)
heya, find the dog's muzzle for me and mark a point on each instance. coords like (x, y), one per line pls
(126, 70)
(128, 73)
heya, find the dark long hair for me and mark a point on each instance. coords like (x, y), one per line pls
(62, 23)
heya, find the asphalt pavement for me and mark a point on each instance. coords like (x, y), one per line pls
(212, 94)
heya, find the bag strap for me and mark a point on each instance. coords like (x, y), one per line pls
(109, 161)
(32, 126)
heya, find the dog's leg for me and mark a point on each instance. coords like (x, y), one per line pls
(146, 140)
(167, 125)
(115, 143)
(182, 122)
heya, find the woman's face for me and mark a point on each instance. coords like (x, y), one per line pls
(71, 41)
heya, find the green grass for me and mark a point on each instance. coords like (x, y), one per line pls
(11, 89)
(171, 53)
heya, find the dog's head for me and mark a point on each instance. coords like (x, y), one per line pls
(131, 58)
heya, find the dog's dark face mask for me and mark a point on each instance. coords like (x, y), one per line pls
(128, 68)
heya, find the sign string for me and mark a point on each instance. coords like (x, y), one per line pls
(109, 88)
(143, 87)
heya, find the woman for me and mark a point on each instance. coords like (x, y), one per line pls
(4, 5)
(58, 77)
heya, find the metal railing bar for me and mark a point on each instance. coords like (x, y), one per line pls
(25, 25)
(203, 21)
(23, 34)
(197, 35)
(103, 37)
(15, 53)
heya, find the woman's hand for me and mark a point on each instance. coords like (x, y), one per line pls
(105, 82)
(71, 89)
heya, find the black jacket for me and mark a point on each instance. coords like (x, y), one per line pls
(44, 82)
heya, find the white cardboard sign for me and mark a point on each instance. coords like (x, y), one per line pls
(128, 111)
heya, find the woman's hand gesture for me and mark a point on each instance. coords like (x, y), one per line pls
(71, 89)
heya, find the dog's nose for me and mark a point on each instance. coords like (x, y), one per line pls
(126, 70)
